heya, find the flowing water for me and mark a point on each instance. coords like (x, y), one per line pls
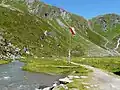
(13, 78)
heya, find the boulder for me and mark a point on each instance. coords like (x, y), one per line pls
(73, 77)
(84, 77)
(65, 80)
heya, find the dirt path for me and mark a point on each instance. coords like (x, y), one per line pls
(104, 80)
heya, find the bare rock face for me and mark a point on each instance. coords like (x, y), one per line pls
(31, 1)
(7, 49)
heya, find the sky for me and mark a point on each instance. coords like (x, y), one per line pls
(87, 8)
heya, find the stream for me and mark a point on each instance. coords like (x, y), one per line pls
(13, 78)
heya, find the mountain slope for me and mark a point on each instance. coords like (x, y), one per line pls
(44, 30)
(108, 26)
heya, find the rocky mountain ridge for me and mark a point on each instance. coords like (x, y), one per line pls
(44, 30)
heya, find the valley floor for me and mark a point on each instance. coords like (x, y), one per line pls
(59, 66)
(102, 80)
(99, 79)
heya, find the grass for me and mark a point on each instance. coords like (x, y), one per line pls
(75, 85)
(111, 64)
(26, 29)
(57, 66)
(53, 66)
(112, 31)
(4, 62)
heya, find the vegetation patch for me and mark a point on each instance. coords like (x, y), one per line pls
(57, 66)
(4, 61)
(111, 64)
(77, 85)
(53, 66)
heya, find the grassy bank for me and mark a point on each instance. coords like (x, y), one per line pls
(53, 66)
(57, 66)
(75, 85)
(4, 61)
(111, 64)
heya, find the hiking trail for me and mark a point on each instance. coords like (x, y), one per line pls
(102, 79)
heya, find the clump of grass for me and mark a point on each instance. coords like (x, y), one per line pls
(111, 64)
(76, 84)
(4, 61)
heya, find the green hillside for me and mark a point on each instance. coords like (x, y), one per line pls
(44, 30)
(108, 26)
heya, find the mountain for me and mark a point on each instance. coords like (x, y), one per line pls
(41, 30)
(108, 26)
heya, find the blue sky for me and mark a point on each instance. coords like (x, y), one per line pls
(87, 8)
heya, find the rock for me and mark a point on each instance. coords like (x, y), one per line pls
(18, 57)
(93, 86)
(27, 52)
(9, 44)
(64, 86)
(37, 89)
(83, 58)
(55, 84)
(85, 83)
(73, 77)
(96, 85)
(1, 37)
(6, 78)
(12, 57)
(43, 57)
(65, 80)
(56, 59)
(60, 23)
(35, 57)
(22, 57)
(42, 45)
(46, 33)
(32, 54)
(47, 88)
(17, 49)
(87, 87)
(76, 77)
(84, 77)
(31, 1)
(74, 89)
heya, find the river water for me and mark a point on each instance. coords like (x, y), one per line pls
(13, 78)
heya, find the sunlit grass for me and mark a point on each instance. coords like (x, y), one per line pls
(4, 62)
(57, 66)
(111, 64)
(53, 66)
